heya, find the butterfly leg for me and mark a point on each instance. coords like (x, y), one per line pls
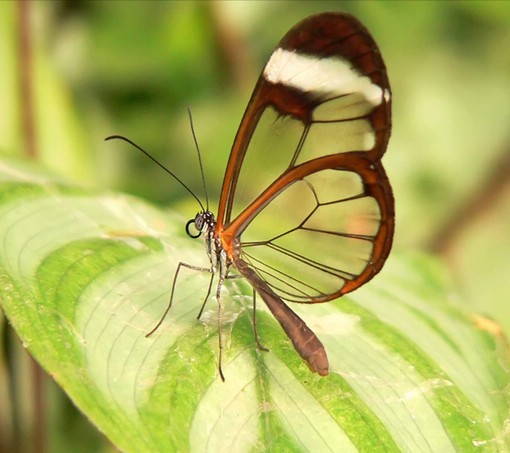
(220, 313)
(189, 266)
(207, 295)
(256, 332)
(257, 336)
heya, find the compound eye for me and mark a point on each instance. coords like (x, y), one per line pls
(198, 222)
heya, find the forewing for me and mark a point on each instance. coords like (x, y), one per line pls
(323, 91)
(306, 160)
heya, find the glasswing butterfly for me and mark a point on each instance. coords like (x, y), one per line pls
(317, 221)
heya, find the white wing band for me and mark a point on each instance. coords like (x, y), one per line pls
(324, 76)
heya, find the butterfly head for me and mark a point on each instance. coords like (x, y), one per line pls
(204, 221)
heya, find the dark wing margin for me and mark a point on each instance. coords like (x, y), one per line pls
(318, 124)
(319, 121)
(326, 76)
(336, 236)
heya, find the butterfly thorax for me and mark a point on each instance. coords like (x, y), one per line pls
(205, 223)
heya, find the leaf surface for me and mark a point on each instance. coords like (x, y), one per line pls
(84, 277)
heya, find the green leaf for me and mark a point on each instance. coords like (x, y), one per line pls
(84, 277)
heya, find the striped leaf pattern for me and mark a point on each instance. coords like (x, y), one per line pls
(83, 278)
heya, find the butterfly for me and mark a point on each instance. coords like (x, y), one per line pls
(317, 219)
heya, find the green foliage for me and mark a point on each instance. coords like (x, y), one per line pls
(84, 277)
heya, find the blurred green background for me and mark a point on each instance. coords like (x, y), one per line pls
(134, 67)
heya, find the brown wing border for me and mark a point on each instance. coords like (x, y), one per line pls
(325, 35)
(376, 185)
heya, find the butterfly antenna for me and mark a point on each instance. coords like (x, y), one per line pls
(159, 164)
(204, 185)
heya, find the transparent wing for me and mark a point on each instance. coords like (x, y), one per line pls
(324, 91)
(305, 200)
(323, 235)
